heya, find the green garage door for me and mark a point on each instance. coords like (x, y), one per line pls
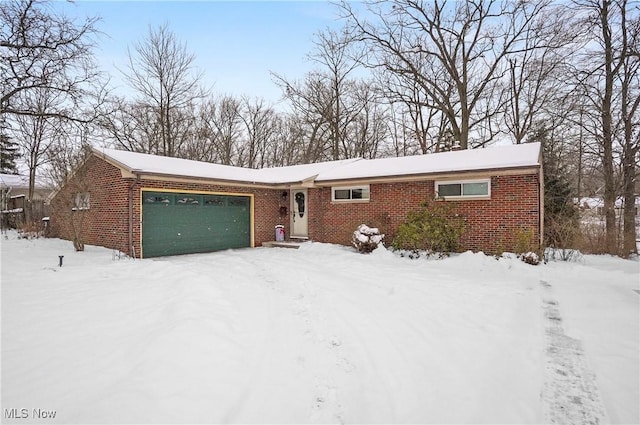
(187, 223)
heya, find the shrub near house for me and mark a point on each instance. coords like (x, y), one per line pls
(433, 228)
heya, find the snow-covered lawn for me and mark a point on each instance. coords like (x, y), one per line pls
(315, 335)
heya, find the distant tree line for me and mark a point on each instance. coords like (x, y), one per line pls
(401, 77)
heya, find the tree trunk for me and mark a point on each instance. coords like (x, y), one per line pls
(629, 223)
(607, 136)
(609, 188)
(630, 104)
(629, 179)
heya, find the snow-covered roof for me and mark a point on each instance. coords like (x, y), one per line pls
(300, 173)
(155, 164)
(504, 157)
(13, 180)
(162, 165)
(18, 181)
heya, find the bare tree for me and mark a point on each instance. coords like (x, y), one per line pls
(132, 126)
(201, 146)
(326, 98)
(260, 128)
(398, 134)
(162, 72)
(337, 57)
(67, 158)
(605, 100)
(537, 78)
(311, 102)
(42, 50)
(466, 44)
(287, 147)
(220, 135)
(36, 132)
(369, 129)
(70, 150)
(227, 122)
(606, 77)
(420, 119)
(48, 75)
(630, 115)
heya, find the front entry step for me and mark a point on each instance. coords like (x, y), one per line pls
(274, 244)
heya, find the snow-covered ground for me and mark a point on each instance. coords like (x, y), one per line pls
(316, 335)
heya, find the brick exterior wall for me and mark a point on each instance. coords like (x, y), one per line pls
(106, 222)
(492, 226)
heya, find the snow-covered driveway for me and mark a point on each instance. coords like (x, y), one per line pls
(315, 335)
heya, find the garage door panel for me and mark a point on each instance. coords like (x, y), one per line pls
(191, 223)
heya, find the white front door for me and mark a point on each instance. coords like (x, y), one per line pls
(299, 214)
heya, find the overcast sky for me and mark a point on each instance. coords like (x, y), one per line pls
(236, 43)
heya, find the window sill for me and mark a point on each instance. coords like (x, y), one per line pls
(464, 198)
(351, 201)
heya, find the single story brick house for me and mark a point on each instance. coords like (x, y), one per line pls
(148, 206)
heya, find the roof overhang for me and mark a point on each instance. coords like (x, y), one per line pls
(513, 171)
(205, 180)
(311, 182)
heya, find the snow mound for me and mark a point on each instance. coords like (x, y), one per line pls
(382, 252)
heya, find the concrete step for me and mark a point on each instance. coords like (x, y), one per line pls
(283, 244)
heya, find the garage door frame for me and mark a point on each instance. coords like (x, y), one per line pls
(196, 192)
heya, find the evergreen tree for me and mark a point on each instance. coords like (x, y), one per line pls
(9, 154)
(560, 212)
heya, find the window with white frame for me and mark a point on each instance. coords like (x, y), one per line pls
(463, 189)
(350, 194)
(81, 201)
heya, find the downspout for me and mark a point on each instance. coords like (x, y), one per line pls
(132, 251)
(541, 205)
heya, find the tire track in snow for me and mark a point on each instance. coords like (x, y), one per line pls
(290, 313)
(262, 354)
(570, 394)
(257, 348)
(367, 389)
(326, 405)
(344, 378)
(323, 359)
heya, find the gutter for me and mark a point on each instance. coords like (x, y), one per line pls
(541, 204)
(213, 180)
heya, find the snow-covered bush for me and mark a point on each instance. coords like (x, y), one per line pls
(530, 258)
(562, 254)
(30, 230)
(414, 255)
(526, 247)
(366, 238)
